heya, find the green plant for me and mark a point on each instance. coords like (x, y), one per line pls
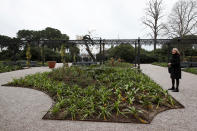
(191, 70)
(8, 68)
(116, 107)
(28, 55)
(135, 113)
(104, 112)
(112, 61)
(72, 110)
(171, 101)
(104, 91)
(63, 53)
(74, 58)
(160, 64)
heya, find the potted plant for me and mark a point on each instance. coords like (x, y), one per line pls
(52, 63)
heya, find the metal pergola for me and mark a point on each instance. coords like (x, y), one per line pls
(137, 43)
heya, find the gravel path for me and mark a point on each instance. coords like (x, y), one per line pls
(22, 109)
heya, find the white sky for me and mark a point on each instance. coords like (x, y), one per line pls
(110, 18)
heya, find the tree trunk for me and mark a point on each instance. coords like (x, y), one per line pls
(89, 52)
(155, 41)
(155, 44)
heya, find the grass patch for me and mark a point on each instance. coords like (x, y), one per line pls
(117, 63)
(8, 68)
(163, 64)
(100, 93)
(40, 64)
(191, 70)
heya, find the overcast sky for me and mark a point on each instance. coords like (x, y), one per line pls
(110, 18)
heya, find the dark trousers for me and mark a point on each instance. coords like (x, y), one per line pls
(177, 83)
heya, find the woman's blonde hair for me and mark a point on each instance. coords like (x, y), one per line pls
(177, 51)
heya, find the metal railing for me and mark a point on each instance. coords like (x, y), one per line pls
(100, 44)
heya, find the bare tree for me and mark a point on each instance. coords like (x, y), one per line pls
(183, 19)
(182, 22)
(153, 17)
(88, 41)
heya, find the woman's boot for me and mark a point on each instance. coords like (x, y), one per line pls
(173, 82)
(171, 88)
(176, 90)
(177, 86)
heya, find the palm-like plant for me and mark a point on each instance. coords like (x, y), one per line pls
(104, 112)
(72, 110)
(132, 110)
(116, 107)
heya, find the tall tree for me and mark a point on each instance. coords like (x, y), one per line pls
(52, 33)
(182, 22)
(152, 19)
(25, 34)
(48, 34)
(64, 37)
(13, 48)
(3, 44)
(183, 19)
(39, 35)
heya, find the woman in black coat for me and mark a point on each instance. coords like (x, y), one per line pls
(175, 69)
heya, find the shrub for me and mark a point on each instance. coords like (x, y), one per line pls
(28, 55)
(63, 54)
(191, 70)
(145, 58)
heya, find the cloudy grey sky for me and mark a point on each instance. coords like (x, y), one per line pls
(110, 18)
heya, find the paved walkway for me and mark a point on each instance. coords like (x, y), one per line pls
(22, 109)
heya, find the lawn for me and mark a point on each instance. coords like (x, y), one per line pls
(163, 64)
(8, 68)
(112, 93)
(191, 70)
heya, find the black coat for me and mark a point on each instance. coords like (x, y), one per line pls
(175, 71)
